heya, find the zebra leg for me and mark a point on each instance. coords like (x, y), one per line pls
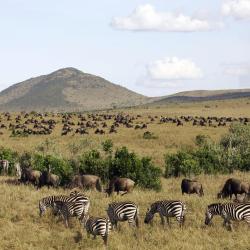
(105, 239)
(230, 225)
(162, 220)
(137, 221)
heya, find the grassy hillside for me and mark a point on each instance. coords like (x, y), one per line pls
(67, 90)
(204, 95)
(22, 228)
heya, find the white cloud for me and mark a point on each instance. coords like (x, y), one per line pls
(170, 72)
(239, 9)
(174, 68)
(146, 18)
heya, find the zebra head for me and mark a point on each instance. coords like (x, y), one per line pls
(213, 209)
(150, 213)
(42, 207)
(84, 219)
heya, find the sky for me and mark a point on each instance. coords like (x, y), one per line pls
(153, 47)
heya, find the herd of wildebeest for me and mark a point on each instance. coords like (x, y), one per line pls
(44, 124)
(77, 204)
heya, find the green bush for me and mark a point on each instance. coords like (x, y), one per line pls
(142, 171)
(91, 162)
(11, 156)
(231, 153)
(183, 162)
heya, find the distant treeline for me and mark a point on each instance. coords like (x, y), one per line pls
(231, 153)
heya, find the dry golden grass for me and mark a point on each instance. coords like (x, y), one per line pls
(22, 228)
(170, 137)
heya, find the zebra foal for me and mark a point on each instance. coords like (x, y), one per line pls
(76, 205)
(97, 226)
(123, 211)
(166, 208)
(228, 211)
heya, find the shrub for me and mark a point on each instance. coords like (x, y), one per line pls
(183, 162)
(11, 156)
(91, 162)
(149, 135)
(142, 171)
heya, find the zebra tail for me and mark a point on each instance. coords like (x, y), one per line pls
(105, 238)
(184, 208)
(137, 217)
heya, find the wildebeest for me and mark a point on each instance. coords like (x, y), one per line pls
(120, 184)
(4, 166)
(49, 179)
(28, 175)
(233, 186)
(191, 187)
(87, 182)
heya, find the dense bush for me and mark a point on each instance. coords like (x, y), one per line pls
(141, 170)
(183, 162)
(91, 162)
(11, 156)
(231, 153)
(58, 166)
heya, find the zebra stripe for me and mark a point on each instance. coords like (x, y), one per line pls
(166, 208)
(98, 226)
(74, 205)
(228, 211)
(123, 211)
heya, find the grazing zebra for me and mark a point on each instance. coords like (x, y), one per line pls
(228, 211)
(76, 205)
(123, 211)
(166, 208)
(97, 226)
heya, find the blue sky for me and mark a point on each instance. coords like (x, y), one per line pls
(153, 47)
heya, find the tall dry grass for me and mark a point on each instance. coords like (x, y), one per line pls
(22, 228)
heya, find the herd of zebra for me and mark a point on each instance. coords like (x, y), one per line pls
(77, 205)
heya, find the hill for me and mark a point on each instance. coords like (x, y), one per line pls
(204, 95)
(67, 89)
(70, 89)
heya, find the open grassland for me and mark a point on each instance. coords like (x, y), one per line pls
(169, 137)
(22, 228)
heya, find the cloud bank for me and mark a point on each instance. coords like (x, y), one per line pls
(173, 68)
(239, 9)
(146, 18)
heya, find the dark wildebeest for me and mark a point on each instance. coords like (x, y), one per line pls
(191, 187)
(233, 186)
(4, 166)
(120, 184)
(28, 175)
(87, 182)
(49, 179)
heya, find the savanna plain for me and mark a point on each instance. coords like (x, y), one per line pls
(22, 228)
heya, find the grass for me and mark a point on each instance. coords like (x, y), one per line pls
(169, 136)
(22, 228)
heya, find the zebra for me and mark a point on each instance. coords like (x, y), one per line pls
(228, 211)
(97, 226)
(123, 211)
(167, 208)
(74, 205)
